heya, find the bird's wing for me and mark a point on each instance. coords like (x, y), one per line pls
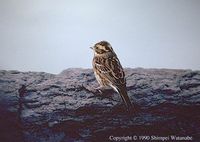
(111, 69)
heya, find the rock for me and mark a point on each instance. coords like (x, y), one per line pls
(42, 107)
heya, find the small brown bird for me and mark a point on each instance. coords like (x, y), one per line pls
(108, 70)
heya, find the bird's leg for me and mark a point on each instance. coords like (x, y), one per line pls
(105, 92)
(102, 89)
(99, 90)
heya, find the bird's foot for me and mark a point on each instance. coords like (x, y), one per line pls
(103, 92)
(99, 89)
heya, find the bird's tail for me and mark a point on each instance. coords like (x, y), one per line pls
(123, 93)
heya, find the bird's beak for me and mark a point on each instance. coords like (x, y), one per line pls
(92, 48)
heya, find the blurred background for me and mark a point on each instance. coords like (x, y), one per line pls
(49, 35)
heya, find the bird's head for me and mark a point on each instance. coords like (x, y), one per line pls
(102, 47)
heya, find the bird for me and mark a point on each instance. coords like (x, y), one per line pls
(109, 71)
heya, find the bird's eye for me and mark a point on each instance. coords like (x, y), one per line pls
(96, 47)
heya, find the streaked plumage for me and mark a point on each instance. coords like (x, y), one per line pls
(108, 70)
